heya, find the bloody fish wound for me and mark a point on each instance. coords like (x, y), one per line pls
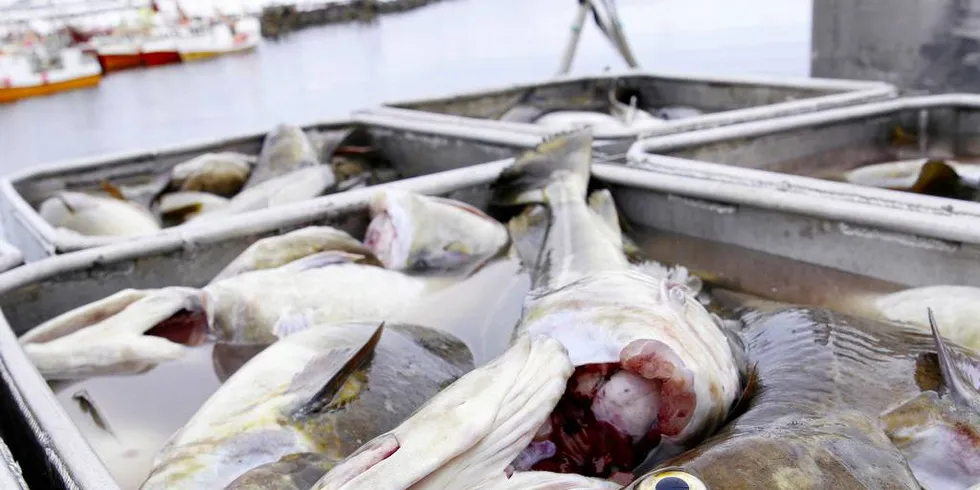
(184, 327)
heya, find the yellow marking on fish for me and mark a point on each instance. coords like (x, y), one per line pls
(901, 137)
(457, 247)
(350, 390)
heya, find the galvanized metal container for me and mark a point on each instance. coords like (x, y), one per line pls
(865, 231)
(725, 100)
(10, 472)
(829, 143)
(413, 147)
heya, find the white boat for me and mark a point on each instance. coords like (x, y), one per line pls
(220, 38)
(30, 72)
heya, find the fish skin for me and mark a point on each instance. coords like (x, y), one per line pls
(293, 472)
(255, 418)
(181, 206)
(465, 437)
(222, 174)
(410, 231)
(96, 215)
(300, 185)
(285, 150)
(279, 250)
(818, 424)
(904, 174)
(586, 294)
(248, 307)
(109, 336)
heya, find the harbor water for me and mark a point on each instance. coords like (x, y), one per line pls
(451, 46)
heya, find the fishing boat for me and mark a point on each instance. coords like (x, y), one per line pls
(34, 72)
(220, 39)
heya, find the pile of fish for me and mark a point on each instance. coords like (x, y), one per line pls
(616, 376)
(290, 168)
(624, 110)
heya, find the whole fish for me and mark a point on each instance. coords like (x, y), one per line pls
(178, 207)
(285, 150)
(96, 215)
(300, 185)
(652, 365)
(264, 305)
(466, 436)
(223, 174)
(564, 120)
(306, 402)
(279, 250)
(838, 404)
(412, 231)
(126, 333)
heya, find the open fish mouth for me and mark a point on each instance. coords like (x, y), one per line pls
(613, 414)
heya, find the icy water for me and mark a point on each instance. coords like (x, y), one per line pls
(143, 411)
(452, 46)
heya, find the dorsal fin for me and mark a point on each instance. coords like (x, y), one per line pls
(336, 366)
(112, 190)
(962, 391)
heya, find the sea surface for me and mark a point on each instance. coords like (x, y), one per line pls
(449, 47)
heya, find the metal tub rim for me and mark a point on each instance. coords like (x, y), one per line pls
(769, 126)
(53, 241)
(848, 92)
(69, 451)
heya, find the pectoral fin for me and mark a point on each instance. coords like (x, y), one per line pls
(325, 259)
(113, 191)
(336, 366)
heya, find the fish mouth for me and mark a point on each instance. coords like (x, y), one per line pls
(389, 234)
(613, 414)
(192, 322)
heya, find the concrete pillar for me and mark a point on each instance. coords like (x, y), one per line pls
(918, 45)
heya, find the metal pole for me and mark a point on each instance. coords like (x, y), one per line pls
(566, 61)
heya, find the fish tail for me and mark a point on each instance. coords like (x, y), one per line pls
(562, 157)
(528, 231)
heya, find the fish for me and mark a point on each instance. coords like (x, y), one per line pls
(222, 174)
(300, 185)
(307, 402)
(956, 307)
(279, 250)
(128, 332)
(92, 215)
(466, 436)
(563, 120)
(178, 207)
(262, 306)
(929, 176)
(86, 405)
(624, 105)
(410, 231)
(652, 365)
(837, 402)
(285, 150)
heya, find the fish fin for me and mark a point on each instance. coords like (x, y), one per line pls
(528, 232)
(902, 137)
(962, 391)
(180, 214)
(112, 190)
(366, 457)
(291, 323)
(750, 386)
(61, 197)
(326, 259)
(556, 157)
(336, 366)
(937, 178)
(677, 274)
(601, 201)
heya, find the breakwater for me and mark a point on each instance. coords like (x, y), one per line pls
(279, 20)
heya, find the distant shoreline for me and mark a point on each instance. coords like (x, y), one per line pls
(277, 21)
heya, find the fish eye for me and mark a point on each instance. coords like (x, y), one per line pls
(672, 480)
(676, 294)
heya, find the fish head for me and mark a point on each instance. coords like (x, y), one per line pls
(471, 432)
(413, 231)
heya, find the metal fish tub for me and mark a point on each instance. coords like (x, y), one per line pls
(827, 144)
(413, 148)
(868, 233)
(724, 100)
